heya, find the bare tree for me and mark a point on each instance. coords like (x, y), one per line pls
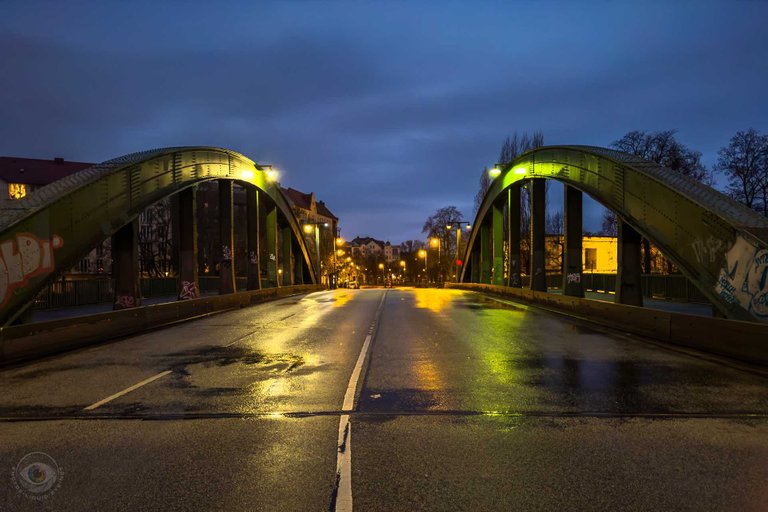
(436, 226)
(663, 148)
(745, 161)
(512, 147)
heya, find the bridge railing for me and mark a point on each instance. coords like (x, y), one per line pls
(83, 292)
(674, 287)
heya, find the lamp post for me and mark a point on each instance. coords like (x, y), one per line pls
(435, 242)
(458, 225)
(309, 228)
(423, 254)
(337, 251)
(402, 264)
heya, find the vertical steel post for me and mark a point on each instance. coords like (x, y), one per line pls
(538, 248)
(287, 256)
(486, 251)
(298, 264)
(474, 263)
(272, 281)
(628, 289)
(188, 282)
(252, 216)
(125, 266)
(513, 243)
(497, 214)
(646, 256)
(573, 266)
(227, 233)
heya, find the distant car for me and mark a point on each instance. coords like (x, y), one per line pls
(354, 284)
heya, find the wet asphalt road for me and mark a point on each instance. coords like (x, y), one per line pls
(464, 403)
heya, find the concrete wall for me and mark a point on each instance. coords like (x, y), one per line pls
(745, 341)
(29, 341)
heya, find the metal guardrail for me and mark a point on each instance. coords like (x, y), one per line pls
(83, 292)
(675, 287)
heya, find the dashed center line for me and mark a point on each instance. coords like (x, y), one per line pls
(127, 390)
(343, 495)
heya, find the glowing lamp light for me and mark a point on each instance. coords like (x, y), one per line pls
(247, 174)
(270, 173)
(339, 241)
(495, 172)
(308, 228)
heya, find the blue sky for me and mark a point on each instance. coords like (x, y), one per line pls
(386, 110)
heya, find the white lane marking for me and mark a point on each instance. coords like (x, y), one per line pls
(127, 390)
(344, 443)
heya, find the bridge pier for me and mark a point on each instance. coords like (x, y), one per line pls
(486, 251)
(188, 286)
(513, 230)
(572, 264)
(538, 250)
(252, 214)
(286, 260)
(628, 285)
(298, 263)
(272, 246)
(125, 266)
(227, 232)
(497, 221)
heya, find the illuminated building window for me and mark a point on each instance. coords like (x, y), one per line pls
(17, 190)
(590, 259)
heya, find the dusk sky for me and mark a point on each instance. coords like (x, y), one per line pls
(386, 110)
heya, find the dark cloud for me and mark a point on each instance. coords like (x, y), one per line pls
(388, 110)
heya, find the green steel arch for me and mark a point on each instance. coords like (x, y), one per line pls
(54, 227)
(719, 244)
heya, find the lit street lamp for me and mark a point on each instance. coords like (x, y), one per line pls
(458, 225)
(423, 254)
(309, 228)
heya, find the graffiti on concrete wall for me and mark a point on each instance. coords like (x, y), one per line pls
(188, 290)
(125, 301)
(574, 277)
(709, 250)
(744, 279)
(23, 257)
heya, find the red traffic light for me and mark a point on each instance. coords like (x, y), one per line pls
(458, 263)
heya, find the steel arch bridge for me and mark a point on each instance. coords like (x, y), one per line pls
(720, 245)
(57, 225)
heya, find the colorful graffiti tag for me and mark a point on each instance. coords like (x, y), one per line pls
(23, 257)
(744, 280)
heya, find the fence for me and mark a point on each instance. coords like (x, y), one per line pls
(675, 287)
(84, 291)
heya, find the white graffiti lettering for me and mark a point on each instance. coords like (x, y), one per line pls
(744, 279)
(226, 253)
(188, 290)
(23, 257)
(573, 278)
(253, 258)
(709, 250)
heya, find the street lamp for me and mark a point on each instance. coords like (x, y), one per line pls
(435, 242)
(458, 225)
(423, 254)
(309, 228)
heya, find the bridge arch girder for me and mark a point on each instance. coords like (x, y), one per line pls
(719, 244)
(54, 227)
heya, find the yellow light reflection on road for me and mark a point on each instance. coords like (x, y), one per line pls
(433, 299)
(429, 378)
(342, 299)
